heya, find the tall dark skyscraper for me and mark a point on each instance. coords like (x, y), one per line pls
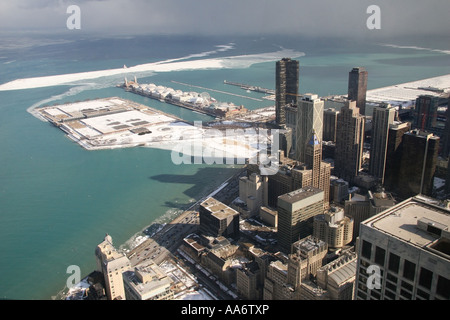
(394, 153)
(426, 112)
(446, 135)
(349, 142)
(357, 88)
(418, 164)
(286, 86)
(329, 124)
(383, 116)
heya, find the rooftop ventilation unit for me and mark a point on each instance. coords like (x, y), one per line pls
(431, 226)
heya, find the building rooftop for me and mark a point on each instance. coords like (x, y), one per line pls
(107, 250)
(309, 244)
(421, 134)
(299, 194)
(416, 221)
(148, 280)
(381, 199)
(343, 274)
(217, 208)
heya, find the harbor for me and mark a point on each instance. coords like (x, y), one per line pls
(194, 101)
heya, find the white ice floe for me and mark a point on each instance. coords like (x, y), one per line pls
(242, 61)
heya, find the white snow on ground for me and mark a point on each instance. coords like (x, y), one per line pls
(406, 92)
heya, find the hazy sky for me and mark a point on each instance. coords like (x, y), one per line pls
(310, 17)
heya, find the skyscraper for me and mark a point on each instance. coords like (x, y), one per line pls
(217, 219)
(382, 117)
(112, 263)
(313, 158)
(309, 121)
(394, 153)
(446, 134)
(321, 171)
(417, 164)
(426, 112)
(349, 142)
(329, 124)
(403, 253)
(334, 228)
(286, 86)
(357, 88)
(296, 211)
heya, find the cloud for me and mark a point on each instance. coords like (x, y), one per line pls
(310, 17)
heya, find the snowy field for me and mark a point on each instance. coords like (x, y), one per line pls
(406, 92)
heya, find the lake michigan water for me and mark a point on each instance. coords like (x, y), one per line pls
(57, 200)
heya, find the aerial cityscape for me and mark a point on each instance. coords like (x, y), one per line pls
(188, 166)
(315, 228)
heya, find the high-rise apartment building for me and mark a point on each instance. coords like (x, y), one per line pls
(290, 112)
(404, 253)
(383, 116)
(394, 153)
(330, 124)
(309, 121)
(286, 86)
(357, 88)
(445, 140)
(313, 158)
(334, 228)
(296, 211)
(112, 264)
(425, 114)
(417, 164)
(251, 193)
(349, 142)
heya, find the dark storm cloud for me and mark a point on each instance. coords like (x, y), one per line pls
(319, 17)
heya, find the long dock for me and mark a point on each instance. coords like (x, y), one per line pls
(219, 91)
(250, 87)
(178, 104)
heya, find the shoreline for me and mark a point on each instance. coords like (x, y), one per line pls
(65, 293)
(183, 213)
